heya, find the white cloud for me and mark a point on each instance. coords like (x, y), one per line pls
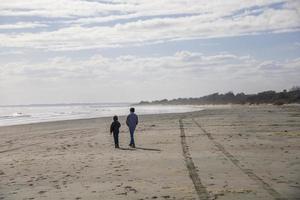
(133, 78)
(145, 22)
(183, 63)
(28, 26)
(21, 25)
(54, 9)
(11, 52)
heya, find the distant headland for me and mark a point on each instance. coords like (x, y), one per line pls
(266, 97)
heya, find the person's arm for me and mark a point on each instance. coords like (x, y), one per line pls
(137, 120)
(127, 121)
(111, 128)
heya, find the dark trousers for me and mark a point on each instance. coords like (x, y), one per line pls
(116, 139)
(131, 130)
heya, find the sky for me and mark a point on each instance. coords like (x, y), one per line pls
(85, 51)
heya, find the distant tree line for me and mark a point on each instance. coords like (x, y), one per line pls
(267, 97)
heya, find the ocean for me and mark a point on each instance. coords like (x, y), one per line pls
(24, 114)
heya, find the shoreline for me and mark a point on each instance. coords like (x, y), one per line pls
(208, 106)
(96, 118)
(22, 117)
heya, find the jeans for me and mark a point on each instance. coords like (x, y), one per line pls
(131, 130)
(116, 139)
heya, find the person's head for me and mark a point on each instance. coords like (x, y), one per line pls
(132, 110)
(115, 118)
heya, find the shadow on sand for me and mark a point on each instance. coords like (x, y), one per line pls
(141, 148)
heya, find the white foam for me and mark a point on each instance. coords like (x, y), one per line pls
(12, 115)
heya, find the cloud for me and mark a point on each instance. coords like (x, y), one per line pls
(148, 68)
(90, 24)
(54, 9)
(11, 52)
(21, 25)
(134, 78)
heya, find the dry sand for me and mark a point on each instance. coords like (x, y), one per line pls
(241, 152)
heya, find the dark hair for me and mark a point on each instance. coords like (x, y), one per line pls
(132, 110)
(115, 118)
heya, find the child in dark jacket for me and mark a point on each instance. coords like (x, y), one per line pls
(114, 128)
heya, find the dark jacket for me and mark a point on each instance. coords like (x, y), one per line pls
(114, 127)
(132, 120)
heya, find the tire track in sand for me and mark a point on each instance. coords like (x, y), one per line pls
(246, 171)
(21, 147)
(200, 189)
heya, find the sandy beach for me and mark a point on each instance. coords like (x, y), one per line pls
(235, 152)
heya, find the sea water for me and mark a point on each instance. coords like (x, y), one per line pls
(23, 114)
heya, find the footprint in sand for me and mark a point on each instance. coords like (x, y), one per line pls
(42, 192)
(123, 193)
(57, 187)
(119, 185)
(130, 189)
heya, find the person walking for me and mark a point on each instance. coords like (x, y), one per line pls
(131, 122)
(114, 129)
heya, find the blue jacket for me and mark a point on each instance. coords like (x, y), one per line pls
(132, 120)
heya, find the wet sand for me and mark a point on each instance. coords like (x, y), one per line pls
(241, 152)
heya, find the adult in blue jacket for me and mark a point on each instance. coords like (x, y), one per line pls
(132, 121)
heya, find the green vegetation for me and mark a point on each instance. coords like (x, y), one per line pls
(267, 97)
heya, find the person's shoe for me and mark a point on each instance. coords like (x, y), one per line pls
(130, 145)
(133, 145)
